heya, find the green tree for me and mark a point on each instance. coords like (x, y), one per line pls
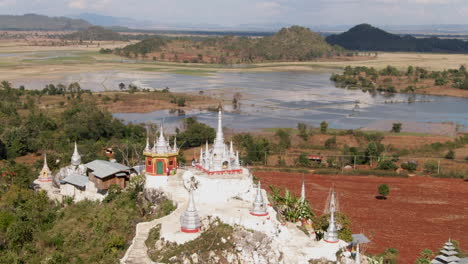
(330, 143)
(384, 190)
(303, 131)
(409, 166)
(396, 127)
(194, 133)
(323, 127)
(303, 160)
(284, 139)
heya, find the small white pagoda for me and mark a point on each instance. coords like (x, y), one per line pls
(448, 255)
(331, 236)
(221, 158)
(46, 174)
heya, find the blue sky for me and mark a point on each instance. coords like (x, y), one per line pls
(235, 12)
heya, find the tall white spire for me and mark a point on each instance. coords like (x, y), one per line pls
(175, 144)
(258, 206)
(219, 133)
(303, 198)
(331, 236)
(161, 146)
(45, 175)
(358, 254)
(76, 158)
(189, 220)
(147, 148)
(231, 149)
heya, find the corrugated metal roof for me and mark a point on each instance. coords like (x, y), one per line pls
(102, 168)
(76, 179)
(360, 239)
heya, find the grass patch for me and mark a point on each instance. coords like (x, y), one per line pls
(150, 69)
(192, 72)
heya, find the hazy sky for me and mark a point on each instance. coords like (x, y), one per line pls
(235, 12)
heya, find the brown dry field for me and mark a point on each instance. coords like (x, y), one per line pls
(139, 102)
(420, 212)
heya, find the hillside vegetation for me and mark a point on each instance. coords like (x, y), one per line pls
(95, 33)
(40, 22)
(365, 37)
(289, 44)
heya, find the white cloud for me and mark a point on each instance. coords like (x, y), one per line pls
(89, 4)
(7, 3)
(268, 8)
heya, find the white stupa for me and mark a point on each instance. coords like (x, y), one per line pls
(189, 220)
(331, 236)
(259, 206)
(221, 158)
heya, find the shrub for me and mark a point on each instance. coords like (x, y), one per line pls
(450, 154)
(387, 165)
(330, 143)
(409, 166)
(303, 160)
(396, 127)
(431, 166)
(384, 190)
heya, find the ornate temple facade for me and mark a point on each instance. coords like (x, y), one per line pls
(161, 159)
(221, 158)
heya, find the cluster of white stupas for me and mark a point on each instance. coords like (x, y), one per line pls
(161, 144)
(221, 157)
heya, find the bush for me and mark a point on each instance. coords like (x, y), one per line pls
(396, 127)
(330, 143)
(384, 190)
(303, 160)
(450, 154)
(387, 165)
(431, 166)
(409, 166)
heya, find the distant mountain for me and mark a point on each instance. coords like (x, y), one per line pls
(365, 37)
(109, 21)
(40, 22)
(95, 33)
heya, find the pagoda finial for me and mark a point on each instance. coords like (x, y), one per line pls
(358, 254)
(207, 147)
(45, 175)
(219, 133)
(331, 236)
(231, 149)
(258, 206)
(175, 144)
(76, 158)
(303, 198)
(147, 148)
(189, 220)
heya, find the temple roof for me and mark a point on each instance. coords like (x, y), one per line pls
(103, 168)
(76, 179)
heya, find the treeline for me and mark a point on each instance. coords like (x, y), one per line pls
(289, 44)
(370, 79)
(365, 37)
(95, 33)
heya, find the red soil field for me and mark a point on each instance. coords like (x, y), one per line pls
(419, 213)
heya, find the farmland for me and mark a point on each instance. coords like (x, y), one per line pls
(420, 212)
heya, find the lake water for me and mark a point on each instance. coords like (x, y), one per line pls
(277, 99)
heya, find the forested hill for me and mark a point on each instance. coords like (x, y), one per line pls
(40, 22)
(368, 38)
(94, 33)
(289, 44)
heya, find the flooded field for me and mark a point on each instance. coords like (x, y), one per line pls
(274, 99)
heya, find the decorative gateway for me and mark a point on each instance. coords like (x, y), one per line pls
(161, 159)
